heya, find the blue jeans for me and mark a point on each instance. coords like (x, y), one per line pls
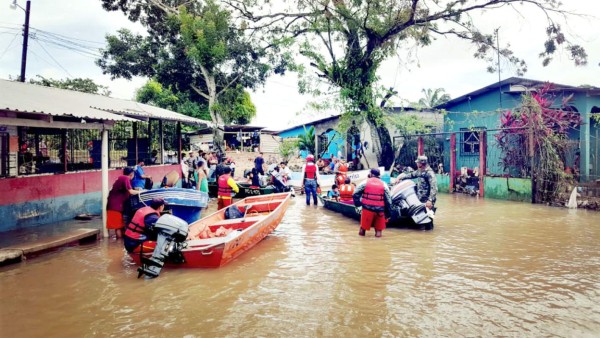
(310, 187)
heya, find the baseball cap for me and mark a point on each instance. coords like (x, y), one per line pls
(421, 159)
(375, 172)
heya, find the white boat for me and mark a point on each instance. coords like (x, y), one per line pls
(326, 181)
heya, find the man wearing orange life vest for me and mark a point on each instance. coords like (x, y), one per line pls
(226, 189)
(346, 192)
(141, 227)
(310, 177)
(374, 197)
(341, 174)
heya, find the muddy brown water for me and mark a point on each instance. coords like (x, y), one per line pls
(490, 268)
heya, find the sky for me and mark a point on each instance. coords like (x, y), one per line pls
(447, 63)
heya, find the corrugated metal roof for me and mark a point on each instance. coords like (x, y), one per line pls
(26, 97)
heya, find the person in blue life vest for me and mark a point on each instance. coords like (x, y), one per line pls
(374, 198)
(310, 177)
(141, 227)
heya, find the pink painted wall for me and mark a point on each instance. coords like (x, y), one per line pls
(30, 188)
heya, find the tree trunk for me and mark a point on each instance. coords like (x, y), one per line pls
(219, 130)
(382, 142)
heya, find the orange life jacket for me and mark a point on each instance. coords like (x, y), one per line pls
(137, 227)
(310, 171)
(340, 179)
(346, 192)
(224, 188)
(374, 193)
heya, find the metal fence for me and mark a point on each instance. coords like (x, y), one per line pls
(45, 150)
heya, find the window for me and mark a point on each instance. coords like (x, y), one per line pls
(323, 143)
(470, 141)
(3, 154)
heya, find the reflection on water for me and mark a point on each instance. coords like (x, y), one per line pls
(489, 268)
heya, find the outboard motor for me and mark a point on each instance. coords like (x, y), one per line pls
(172, 233)
(407, 204)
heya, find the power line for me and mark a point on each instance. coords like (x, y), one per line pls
(9, 45)
(57, 63)
(80, 51)
(68, 37)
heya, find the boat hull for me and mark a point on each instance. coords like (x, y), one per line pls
(262, 217)
(326, 181)
(349, 210)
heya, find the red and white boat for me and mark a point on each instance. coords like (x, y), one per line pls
(215, 241)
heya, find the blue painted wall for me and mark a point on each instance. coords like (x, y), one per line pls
(335, 145)
(483, 110)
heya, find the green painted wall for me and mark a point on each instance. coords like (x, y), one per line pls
(443, 182)
(511, 189)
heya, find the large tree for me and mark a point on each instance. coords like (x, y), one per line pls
(194, 48)
(77, 84)
(347, 40)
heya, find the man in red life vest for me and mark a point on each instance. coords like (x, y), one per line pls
(374, 197)
(341, 174)
(226, 188)
(141, 227)
(346, 192)
(310, 176)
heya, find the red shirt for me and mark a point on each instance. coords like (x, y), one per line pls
(119, 193)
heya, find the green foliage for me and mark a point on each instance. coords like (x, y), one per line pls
(155, 94)
(77, 84)
(306, 141)
(346, 41)
(235, 106)
(288, 148)
(408, 124)
(433, 98)
(195, 52)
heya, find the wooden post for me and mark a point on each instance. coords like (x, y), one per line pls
(420, 146)
(452, 160)
(482, 161)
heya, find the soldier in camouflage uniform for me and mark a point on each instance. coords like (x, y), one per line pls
(426, 183)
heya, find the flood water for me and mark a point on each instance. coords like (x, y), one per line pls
(490, 268)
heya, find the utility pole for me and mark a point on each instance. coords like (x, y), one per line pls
(25, 40)
(27, 10)
(499, 76)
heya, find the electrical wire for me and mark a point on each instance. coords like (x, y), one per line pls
(9, 45)
(50, 55)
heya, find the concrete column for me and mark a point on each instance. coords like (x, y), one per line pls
(104, 161)
(161, 140)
